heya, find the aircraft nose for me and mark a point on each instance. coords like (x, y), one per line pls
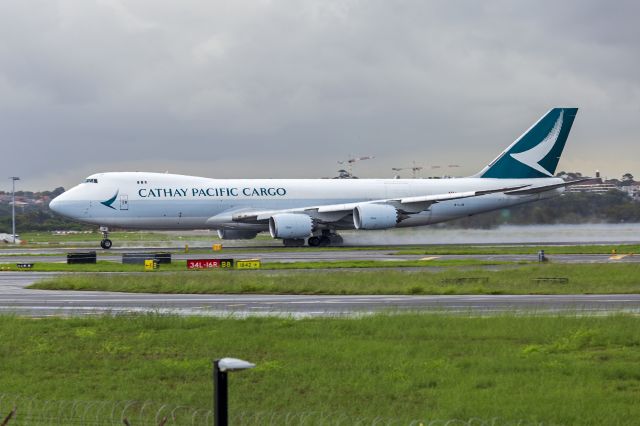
(60, 205)
(55, 204)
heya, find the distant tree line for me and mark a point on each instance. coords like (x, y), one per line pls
(570, 208)
(34, 217)
(31, 218)
(36, 195)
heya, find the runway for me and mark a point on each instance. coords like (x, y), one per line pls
(16, 299)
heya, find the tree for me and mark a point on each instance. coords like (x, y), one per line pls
(627, 180)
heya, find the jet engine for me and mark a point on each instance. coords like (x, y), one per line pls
(236, 234)
(375, 216)
(290, 226)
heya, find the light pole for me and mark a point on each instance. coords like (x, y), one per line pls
(220, 387)
(13, 207)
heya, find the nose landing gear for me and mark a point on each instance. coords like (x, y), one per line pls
(106, 242)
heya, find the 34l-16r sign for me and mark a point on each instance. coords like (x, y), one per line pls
(209, 263)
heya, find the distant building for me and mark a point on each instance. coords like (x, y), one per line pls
(593, 188)
(596, 185)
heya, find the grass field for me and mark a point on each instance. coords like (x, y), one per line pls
(120, 238)
(130, 238)
(49, 237)
(181, 265)
(521, 249)
(582, 279)
(555, 370)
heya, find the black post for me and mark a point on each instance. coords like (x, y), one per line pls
(220, 396)
(541, 256)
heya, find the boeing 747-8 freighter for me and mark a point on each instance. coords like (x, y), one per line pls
(313, 210)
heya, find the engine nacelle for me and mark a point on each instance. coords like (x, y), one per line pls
(375, 216)
(236, 234)
(290, 226)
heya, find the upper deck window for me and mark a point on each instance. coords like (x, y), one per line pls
(91, 181)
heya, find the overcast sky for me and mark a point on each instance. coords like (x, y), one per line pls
(286, 88)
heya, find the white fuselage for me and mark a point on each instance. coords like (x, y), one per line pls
(167, 201)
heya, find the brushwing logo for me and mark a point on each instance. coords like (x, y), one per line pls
(533, 156)
(110, 201)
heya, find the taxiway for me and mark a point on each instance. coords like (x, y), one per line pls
(17, 299)
(310, 255)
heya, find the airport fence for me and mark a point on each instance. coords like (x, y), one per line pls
(26, 411)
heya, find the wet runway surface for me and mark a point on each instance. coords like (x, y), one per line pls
(308, 255)
(15, 298)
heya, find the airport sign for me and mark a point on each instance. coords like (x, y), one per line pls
(209, 263)
(248, 264)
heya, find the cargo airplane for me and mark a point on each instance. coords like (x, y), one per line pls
(314, 210)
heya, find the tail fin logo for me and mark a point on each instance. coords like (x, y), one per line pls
(533, 156)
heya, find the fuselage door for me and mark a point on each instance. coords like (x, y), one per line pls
(124, 202)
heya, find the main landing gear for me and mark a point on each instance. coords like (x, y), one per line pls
(317, 241)
(106, 242)
(327, 238)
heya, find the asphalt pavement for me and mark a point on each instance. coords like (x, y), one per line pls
(310, 255)
(15, 298)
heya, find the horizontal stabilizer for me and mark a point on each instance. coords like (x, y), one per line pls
(545, 188)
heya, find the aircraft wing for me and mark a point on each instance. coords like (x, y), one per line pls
(334, 212)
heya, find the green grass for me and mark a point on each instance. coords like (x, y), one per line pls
(520, 249)
(583, 279)
(553, 370)
(180, 265)
(120, 238)
(99, 266)
(48, 237)
(391, 263)
(129, 237)
(95, 236)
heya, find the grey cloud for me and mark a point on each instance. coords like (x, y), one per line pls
(286, 88)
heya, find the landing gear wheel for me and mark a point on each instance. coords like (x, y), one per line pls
(326, 239)
(293, 242)
(106, 242)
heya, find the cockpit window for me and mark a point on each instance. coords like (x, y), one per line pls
(91, 181)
